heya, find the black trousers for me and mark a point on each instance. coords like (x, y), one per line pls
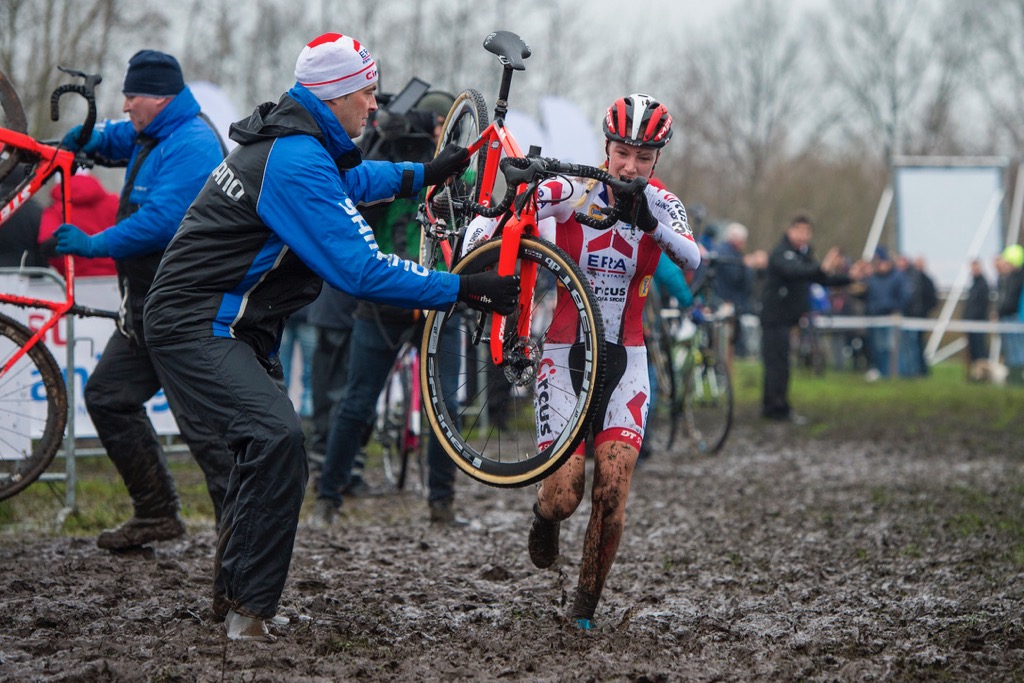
(115, 396)
(239, 396)
(775, 354)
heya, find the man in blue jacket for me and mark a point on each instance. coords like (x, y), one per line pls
(274, 221)
(169, 149)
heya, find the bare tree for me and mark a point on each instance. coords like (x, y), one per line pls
(739, 102)
(38, 35)
(897, 66)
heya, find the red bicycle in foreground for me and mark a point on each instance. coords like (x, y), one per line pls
(504, 432)
(33, 392)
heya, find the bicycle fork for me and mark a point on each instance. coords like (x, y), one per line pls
(507, 260)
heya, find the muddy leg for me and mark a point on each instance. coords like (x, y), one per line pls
(613, 471)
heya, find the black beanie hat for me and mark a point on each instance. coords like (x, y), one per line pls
(154, 74)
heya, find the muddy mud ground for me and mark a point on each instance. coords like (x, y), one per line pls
(868, 557)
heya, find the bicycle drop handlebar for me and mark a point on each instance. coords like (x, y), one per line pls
(86, 90)
(533, 170)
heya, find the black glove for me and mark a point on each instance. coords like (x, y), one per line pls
(636, 211)
(488, 291)
(450, 161)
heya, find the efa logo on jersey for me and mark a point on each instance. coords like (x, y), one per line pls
(609, 240)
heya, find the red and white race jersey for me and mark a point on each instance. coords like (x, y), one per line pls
(619, 262)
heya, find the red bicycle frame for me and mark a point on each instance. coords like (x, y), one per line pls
(499, 141)
(53, 160)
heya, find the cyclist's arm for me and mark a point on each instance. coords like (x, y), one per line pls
(305, 202)
(673, 232)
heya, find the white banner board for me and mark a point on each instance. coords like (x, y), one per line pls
(940, 211)
(91, 335)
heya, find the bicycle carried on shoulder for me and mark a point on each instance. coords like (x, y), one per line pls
(33, 393)
(503, 360)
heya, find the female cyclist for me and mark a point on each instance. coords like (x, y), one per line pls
(619, 264)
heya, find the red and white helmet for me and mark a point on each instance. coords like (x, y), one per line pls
(639, 120)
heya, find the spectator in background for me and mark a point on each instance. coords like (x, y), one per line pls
(331, 317)
(299, 334)
(93, 209)
(884, 292)
(919, 300)
(977, 307)
(19, 234)
(734, 279)
(379, 330)
(1010, 266)
(786, 297)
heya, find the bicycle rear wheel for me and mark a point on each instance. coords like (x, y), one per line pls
(33, 409)
(466, 120)
(665, 414)
(708, 402)
(513, 425)
(12, 117)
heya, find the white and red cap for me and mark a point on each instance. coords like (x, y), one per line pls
(334, 65)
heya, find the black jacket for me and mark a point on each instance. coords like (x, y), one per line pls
(786, 295)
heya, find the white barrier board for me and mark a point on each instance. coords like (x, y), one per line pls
(91, 335)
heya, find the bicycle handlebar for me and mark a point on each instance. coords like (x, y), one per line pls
(86, 90)
(532, 170)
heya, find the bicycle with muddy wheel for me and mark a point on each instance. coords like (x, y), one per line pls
(33, 392)
(501, 359)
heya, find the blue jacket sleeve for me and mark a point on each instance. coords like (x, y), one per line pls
(307, 204)
(670, 279)
(117, 140)
(370, 181)
(170, 178)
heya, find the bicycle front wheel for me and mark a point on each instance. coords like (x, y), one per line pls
(33, 409)
(466, 120)
(708, 403)
(12, 117)
(515, 424)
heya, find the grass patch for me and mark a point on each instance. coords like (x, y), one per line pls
(840, 405)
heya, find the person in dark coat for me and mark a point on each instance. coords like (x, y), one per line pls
(786, 296)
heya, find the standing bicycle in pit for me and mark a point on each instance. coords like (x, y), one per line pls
(619, 263)
(274, 220)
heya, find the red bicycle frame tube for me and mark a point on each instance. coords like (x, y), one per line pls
(498, 140)
(52, 161)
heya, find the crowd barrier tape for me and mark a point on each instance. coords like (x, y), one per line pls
(91, 335)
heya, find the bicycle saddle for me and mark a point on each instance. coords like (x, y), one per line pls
(509, 47)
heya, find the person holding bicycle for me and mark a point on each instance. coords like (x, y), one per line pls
(380, 330)
(274, 221)
(169, 149)
(620, 264)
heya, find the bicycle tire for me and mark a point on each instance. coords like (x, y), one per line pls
(400, 450)
(664, 414)
(12, 117)
(510, 455)
(28, 441)
(708, 403)
(465, 121)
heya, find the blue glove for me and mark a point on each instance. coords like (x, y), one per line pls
(70, 141)
(697, 315)
(71, 240)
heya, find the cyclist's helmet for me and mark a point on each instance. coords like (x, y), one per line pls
(638, 120)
